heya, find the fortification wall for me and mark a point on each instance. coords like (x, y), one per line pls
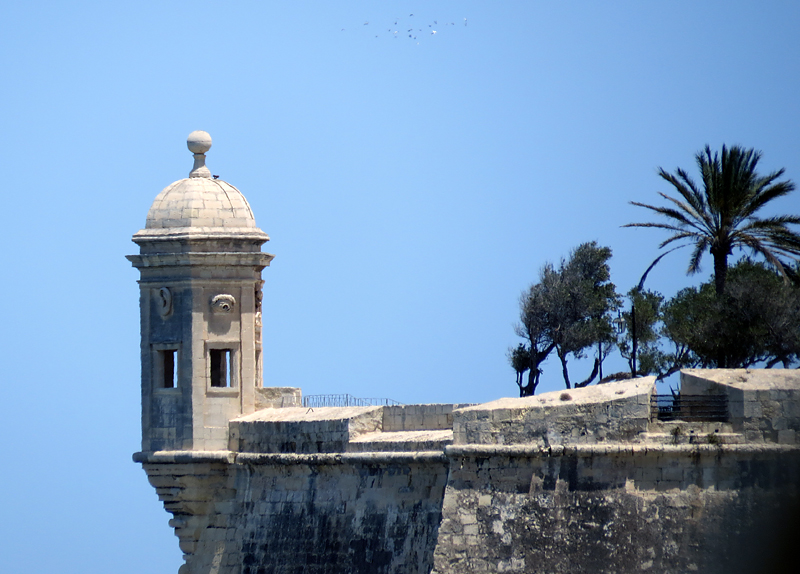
(282, 514)
(613, 509)
(588, 482)
(365, 513)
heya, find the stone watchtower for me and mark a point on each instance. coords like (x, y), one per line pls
(200, 301)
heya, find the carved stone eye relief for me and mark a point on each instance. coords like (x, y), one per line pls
(223, 303)
(164, 301)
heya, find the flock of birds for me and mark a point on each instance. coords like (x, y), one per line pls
(410, 29)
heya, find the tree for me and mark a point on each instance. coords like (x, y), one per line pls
(757, 320)
(639, 343)
(722, 215)
(534, 328)
(582, 297)
(568, 311)
(519, 359)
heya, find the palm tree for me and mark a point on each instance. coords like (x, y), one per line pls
(722, 215)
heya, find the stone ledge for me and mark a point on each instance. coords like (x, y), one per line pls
(342, 458)
(481, 450)
(185, 456)
(257, 259)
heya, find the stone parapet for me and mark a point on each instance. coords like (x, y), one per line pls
(302, 430)
(399, 441)
(419, 417)
(278, 397)
(764, 404)
(611, 412)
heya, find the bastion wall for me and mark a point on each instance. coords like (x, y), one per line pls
(586, 480)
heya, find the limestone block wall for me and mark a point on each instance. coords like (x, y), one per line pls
(309, 514)
(278, 397)
(365, 514)
(419, 417)
(764, 404)
(302, 430)
(620, 509)
(198, 489)
(547, 484)
(611, 412)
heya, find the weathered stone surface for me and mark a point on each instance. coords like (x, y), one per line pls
(764, 404)
(376, 514)
(417, 440)
(302, 430)
(278, 397)
(681, 510)
(567, 482)
(200, 264)
(611, 412)
(419, 417)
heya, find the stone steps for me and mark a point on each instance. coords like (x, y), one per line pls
(693, 438)
(695, 432)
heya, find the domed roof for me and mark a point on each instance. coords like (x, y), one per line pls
(200, 205)
(200, 202)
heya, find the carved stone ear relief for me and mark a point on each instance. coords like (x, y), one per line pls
(259, 296)
(223, 303)
(164, 302)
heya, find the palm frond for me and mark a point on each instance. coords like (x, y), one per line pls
(764, 195)
(688, 191)
(768, 254)
(697, 254)
(781, 220)
(678, 237)
(656, 225)
(671, 213)
(771, 231)
(699, 220)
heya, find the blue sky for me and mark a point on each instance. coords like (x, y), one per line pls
(412, 189)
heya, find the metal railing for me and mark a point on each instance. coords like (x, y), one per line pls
(315, 401)
(699, 408)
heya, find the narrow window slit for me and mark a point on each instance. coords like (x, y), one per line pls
(220, 367)
(168, 368)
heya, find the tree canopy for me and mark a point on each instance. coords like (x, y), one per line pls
(746, 314)
(722, 213)
(757, 320)
(569, 311)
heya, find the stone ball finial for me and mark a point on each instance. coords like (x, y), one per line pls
(198, 142)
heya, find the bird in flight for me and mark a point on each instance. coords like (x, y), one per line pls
(394, 31)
